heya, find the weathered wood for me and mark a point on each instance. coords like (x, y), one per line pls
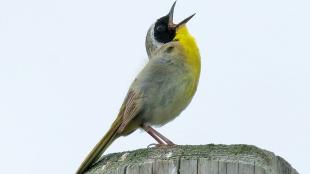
(188, 166)
(246, 168)
(259, 170)
(222, 167)
(232, 168)
(201, 159)
(212, 167)
(165, 166)
(134, 169)
(146, 168)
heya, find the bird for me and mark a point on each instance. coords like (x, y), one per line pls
(163, 88)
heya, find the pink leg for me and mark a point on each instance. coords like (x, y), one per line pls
(150, 132)
(149, 129)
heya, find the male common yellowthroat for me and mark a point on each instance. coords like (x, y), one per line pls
(163, 88)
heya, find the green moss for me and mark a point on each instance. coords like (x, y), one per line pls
(246, 153)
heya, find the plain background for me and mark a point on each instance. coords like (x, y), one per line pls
(65, 67)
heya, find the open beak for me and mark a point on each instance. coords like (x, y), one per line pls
(171, 25)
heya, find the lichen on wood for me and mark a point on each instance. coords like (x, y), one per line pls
(195, 158)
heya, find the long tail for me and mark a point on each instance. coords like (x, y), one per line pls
(100, 147)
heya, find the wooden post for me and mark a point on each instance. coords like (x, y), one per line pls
(194, 159)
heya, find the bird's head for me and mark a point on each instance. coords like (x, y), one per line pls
(163, 31)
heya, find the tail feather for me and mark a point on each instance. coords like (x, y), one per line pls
(100, 147)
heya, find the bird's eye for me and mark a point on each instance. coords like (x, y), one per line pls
(161, 28)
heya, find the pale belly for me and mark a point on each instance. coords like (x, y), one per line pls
(167, 85)
(167, 101)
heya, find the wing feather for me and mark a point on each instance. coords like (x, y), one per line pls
(130, 108)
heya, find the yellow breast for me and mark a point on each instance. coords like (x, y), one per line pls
(192, 56)
(191, 50)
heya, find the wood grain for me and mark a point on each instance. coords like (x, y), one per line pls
(202, 159)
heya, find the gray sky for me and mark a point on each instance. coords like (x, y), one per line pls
(65, 67)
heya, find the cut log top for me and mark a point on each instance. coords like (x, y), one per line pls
(194, 159)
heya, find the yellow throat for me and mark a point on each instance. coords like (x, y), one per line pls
(191, 50)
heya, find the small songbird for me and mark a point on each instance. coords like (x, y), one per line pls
(163, 88)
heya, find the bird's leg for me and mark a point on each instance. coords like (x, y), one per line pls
(150, 132)
(149, 129)
(169, 142)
